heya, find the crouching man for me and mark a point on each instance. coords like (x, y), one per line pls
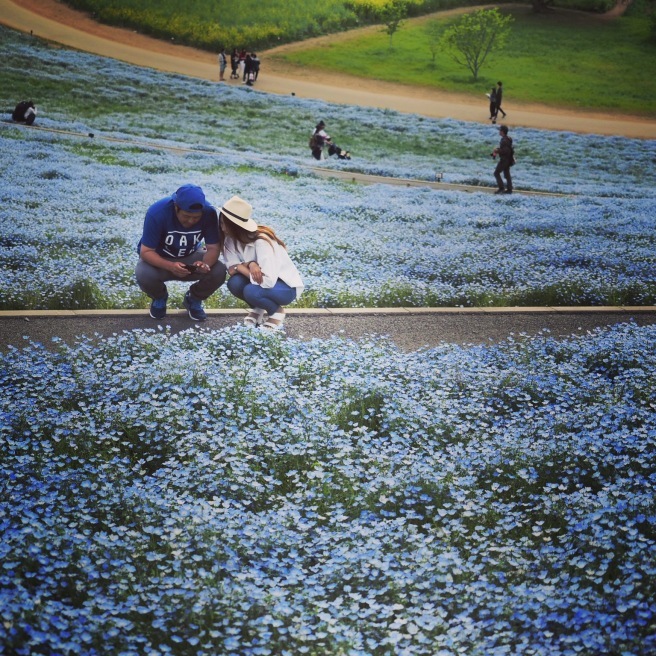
(181, 240)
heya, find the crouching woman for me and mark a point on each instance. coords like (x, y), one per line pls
(261, 272)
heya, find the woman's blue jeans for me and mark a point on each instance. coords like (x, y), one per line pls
(268, 298)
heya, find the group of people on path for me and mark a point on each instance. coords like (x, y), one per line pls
(184, 238)
(243, 65)
(496, 98)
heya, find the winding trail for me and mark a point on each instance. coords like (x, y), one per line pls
(51, 20)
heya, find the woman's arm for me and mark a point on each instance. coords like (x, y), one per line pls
(267, 261)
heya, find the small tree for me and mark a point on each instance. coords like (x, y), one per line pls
(472, 37)
(392, 16)
(434, 34)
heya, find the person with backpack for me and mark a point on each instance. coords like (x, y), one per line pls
(506, 154)
(318, 140)
(25, 112)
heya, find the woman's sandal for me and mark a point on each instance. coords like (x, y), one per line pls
(275, 321)
(255, 317)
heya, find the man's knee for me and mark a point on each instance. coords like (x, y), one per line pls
(146, 274)
(218, 273)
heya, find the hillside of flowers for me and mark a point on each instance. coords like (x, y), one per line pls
(275, 496)
(72, 205)
(238, 493)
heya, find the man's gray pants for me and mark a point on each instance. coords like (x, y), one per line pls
(152, 280)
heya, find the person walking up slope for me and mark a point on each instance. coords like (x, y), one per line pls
(498, 100)
(493, 104)
(506, 154)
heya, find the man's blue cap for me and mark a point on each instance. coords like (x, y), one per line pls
(189, 198)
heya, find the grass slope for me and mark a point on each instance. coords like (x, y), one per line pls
(561, 59)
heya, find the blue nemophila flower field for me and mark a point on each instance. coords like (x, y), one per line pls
(237, 493)
(72, 207)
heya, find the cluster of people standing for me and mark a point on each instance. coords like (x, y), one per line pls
(185, 238)
(496, 97)
(243, 65)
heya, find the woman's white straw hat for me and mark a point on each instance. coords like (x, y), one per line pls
(239, 212)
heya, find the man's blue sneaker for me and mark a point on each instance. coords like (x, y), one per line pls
(194, 307)
(158, 307)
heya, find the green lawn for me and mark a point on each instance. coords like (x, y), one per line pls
(560, 59)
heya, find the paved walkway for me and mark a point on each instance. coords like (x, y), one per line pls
(409, 328)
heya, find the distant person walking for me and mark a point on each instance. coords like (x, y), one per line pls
(223, 64)
(506, 154)
(499, 98)
(493, 103)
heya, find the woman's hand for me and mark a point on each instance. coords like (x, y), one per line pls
(256, 272)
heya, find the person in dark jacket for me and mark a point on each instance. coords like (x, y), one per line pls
(499, 98)
(506, 155)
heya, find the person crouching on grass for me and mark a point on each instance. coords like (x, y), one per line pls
(261, 272)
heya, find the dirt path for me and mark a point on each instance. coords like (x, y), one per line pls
(56, 22)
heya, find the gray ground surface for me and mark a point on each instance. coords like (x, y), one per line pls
(409, 330)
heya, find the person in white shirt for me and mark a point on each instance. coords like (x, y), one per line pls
(261, 272)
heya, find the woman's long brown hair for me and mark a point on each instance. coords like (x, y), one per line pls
(245, 237)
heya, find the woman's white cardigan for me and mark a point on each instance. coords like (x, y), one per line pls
(270, 255)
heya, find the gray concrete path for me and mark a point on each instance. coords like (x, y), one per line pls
(409, 328)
